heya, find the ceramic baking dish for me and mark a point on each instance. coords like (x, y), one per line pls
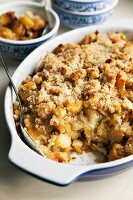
(25, 158)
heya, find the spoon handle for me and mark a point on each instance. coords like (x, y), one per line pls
(44, 4)
(12, 83)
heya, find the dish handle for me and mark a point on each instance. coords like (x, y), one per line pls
(45, 169)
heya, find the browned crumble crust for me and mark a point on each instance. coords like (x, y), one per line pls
(80, 99)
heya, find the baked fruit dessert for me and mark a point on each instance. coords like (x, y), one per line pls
(81, 99)
(26, 27)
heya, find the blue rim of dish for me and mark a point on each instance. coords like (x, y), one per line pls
(19, 45)
(124, 166)
(6, 43)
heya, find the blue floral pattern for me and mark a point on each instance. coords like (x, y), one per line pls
(76, 21)
(83, 6)
(18, 52)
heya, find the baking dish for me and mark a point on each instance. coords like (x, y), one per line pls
(84, 167)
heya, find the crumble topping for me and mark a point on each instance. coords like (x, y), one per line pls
(81, 99)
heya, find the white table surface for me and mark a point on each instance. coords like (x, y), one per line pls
(16, 185)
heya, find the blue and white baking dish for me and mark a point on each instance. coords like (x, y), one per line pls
(84, 167)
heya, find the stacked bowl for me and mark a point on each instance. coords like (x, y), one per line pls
(80, 13)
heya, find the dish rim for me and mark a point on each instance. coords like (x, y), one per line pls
(71, 172)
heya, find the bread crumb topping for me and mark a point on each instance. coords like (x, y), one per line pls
(81, 99)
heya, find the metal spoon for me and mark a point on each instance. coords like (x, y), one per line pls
(49, 25)
(25, 135)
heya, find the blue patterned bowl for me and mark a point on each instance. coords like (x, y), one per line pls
(74, 19)
(83, 5)
(20, 49)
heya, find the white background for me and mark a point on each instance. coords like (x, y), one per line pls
(16, 185)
